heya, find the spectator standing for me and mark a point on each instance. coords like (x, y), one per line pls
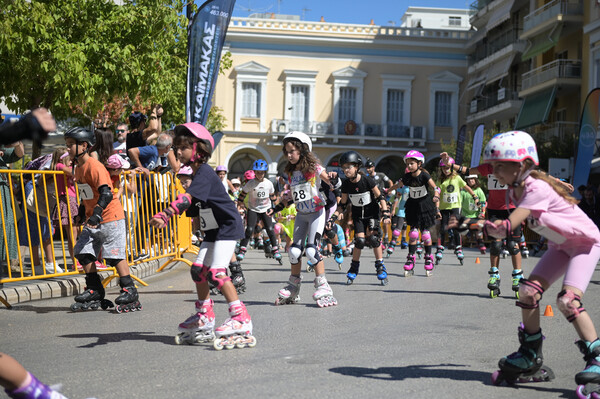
(143, 134)
(8, 154)
(120, 146)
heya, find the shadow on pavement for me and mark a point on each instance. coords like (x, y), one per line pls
(104, 339)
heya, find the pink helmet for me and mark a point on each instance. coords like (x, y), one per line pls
(221, 168)
(249, 175)
(185, 170)
(413, 154)
(117, 162)
(198, 131)
(286, 195)
(450, 162)
(514, 146)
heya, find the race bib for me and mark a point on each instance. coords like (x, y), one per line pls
(417, 192)
(451, 198)
(301, 192)
(261, 194)
(362, 199)
(207, 220)
(494, 184)
(545, 231)
(85, 191)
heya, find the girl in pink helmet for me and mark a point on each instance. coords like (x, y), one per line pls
(573, 253)
(420, 209)
(207, 198)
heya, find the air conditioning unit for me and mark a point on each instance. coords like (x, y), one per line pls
(321, 128)
(282, 127)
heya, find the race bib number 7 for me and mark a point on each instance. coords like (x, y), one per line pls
(494, 184)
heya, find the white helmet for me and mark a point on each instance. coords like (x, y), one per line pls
(301, 137)
(514, 146)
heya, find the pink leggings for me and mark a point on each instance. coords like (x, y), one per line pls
(577, 264)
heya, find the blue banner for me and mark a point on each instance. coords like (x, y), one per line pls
(460, 144)
(205, 41)
(590, 117)
(477, 146)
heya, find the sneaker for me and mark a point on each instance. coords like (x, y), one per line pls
(100, 265)
(50, 268)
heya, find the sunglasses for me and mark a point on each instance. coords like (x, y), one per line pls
(121, 130)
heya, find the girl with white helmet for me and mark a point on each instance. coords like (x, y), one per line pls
(207, 198)
(304, 176)
(573, 252)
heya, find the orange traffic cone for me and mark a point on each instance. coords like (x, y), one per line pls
(549, 312)
(477, 260)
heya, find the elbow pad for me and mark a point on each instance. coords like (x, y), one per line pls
(242, 196)
(105, 196)
(182, 203)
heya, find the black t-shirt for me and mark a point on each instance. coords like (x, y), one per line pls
(416, 184)
(360, 195)
(380, 179)
(208, 192)
(135, 139)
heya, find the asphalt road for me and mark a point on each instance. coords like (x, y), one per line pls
(418, 337)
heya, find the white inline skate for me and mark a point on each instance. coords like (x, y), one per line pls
(323, 294)
(199, 327)
(236, 331)
(291, 292)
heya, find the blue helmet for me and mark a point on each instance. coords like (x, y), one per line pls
(260, 165)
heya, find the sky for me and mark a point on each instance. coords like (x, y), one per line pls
(383, 12)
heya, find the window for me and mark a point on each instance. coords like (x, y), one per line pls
(347, 104)
(250, 100)
(443, 106)
(395, 107)
(299, 108)
(455, 21)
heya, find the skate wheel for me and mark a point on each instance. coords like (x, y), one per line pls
(437, 262)
(252, 342)
(349, 282)
(180, 340)
(517, 294)
(75, 306)
(497, 377)
(461, 262)
(120, 309)
(94, 306)
(494, 293)
(218, 345)
(339, 266)
(230, 345)
(428, 273)
(384, 281)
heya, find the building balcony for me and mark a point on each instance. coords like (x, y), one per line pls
(497, 42)
(550, 14)
(498, 105)
(560, 130)
(365, 134)
(555, 73)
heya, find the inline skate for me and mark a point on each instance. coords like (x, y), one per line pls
(429, 265)
(459, 254)
(199, 327)
(525, 365)
(310, 267)
(236, 331)
(352, 272)
(276, 254)
(403, 243)
(241, 254)
(409, 266)
(127, 301)
(338, 256)
(439, 254)
(381, 271)
(267, 248)
(237, 276)
(252, 243)
(504, 252)
(291, 292)
(524, 250)
(35, 390)
(93, 295)
(390, 249)
(260, 244)
(588, 380)
(494, 282)
(323, 293)
(420, 249)
(517, 275)
(481, 246)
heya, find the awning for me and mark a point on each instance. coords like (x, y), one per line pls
(477, 80)
(500, 15)
(500, 69)
(535, 109)
(542, 43)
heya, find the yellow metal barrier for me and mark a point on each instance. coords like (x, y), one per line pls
(28, 201)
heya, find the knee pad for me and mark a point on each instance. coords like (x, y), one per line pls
(248, 232)
(360, 242)
(277, 229)
(527, 294)
(219, 277)
(426, 236)
(512, 247)
(569, 304)
(113, 262)
(198, 272)
(295, 253)
(496, 248)
(313, 254)
(85, 259)
(413, 235)
(373, 240)
(396, 233)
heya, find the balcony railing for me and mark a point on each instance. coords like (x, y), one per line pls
(551, 10)
(553, 70)
(479, 4)
(496, 43)
(492, 99)
(561, 130)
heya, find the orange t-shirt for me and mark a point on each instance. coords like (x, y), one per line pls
(94, 175)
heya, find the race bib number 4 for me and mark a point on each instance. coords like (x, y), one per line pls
(207, 220)
(85, 191)
(417, 192)
(494, 184)
(362, 199)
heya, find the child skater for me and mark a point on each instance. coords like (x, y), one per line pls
(420, 210)
(260, 192)
(304, 176)
(470, 209)
(104, 230)
(450, 185)
(366, 202)
(222, 226)
(573, 251)
(398, 224)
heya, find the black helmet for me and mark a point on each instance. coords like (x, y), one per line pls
(81, 135)
(369, 164)
(351, 157)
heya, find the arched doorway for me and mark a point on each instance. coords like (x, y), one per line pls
(393, 166)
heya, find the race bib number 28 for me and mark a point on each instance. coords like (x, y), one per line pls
(301, 192)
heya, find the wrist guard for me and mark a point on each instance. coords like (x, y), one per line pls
(96, 217)
(332, 219)
(278, 208)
